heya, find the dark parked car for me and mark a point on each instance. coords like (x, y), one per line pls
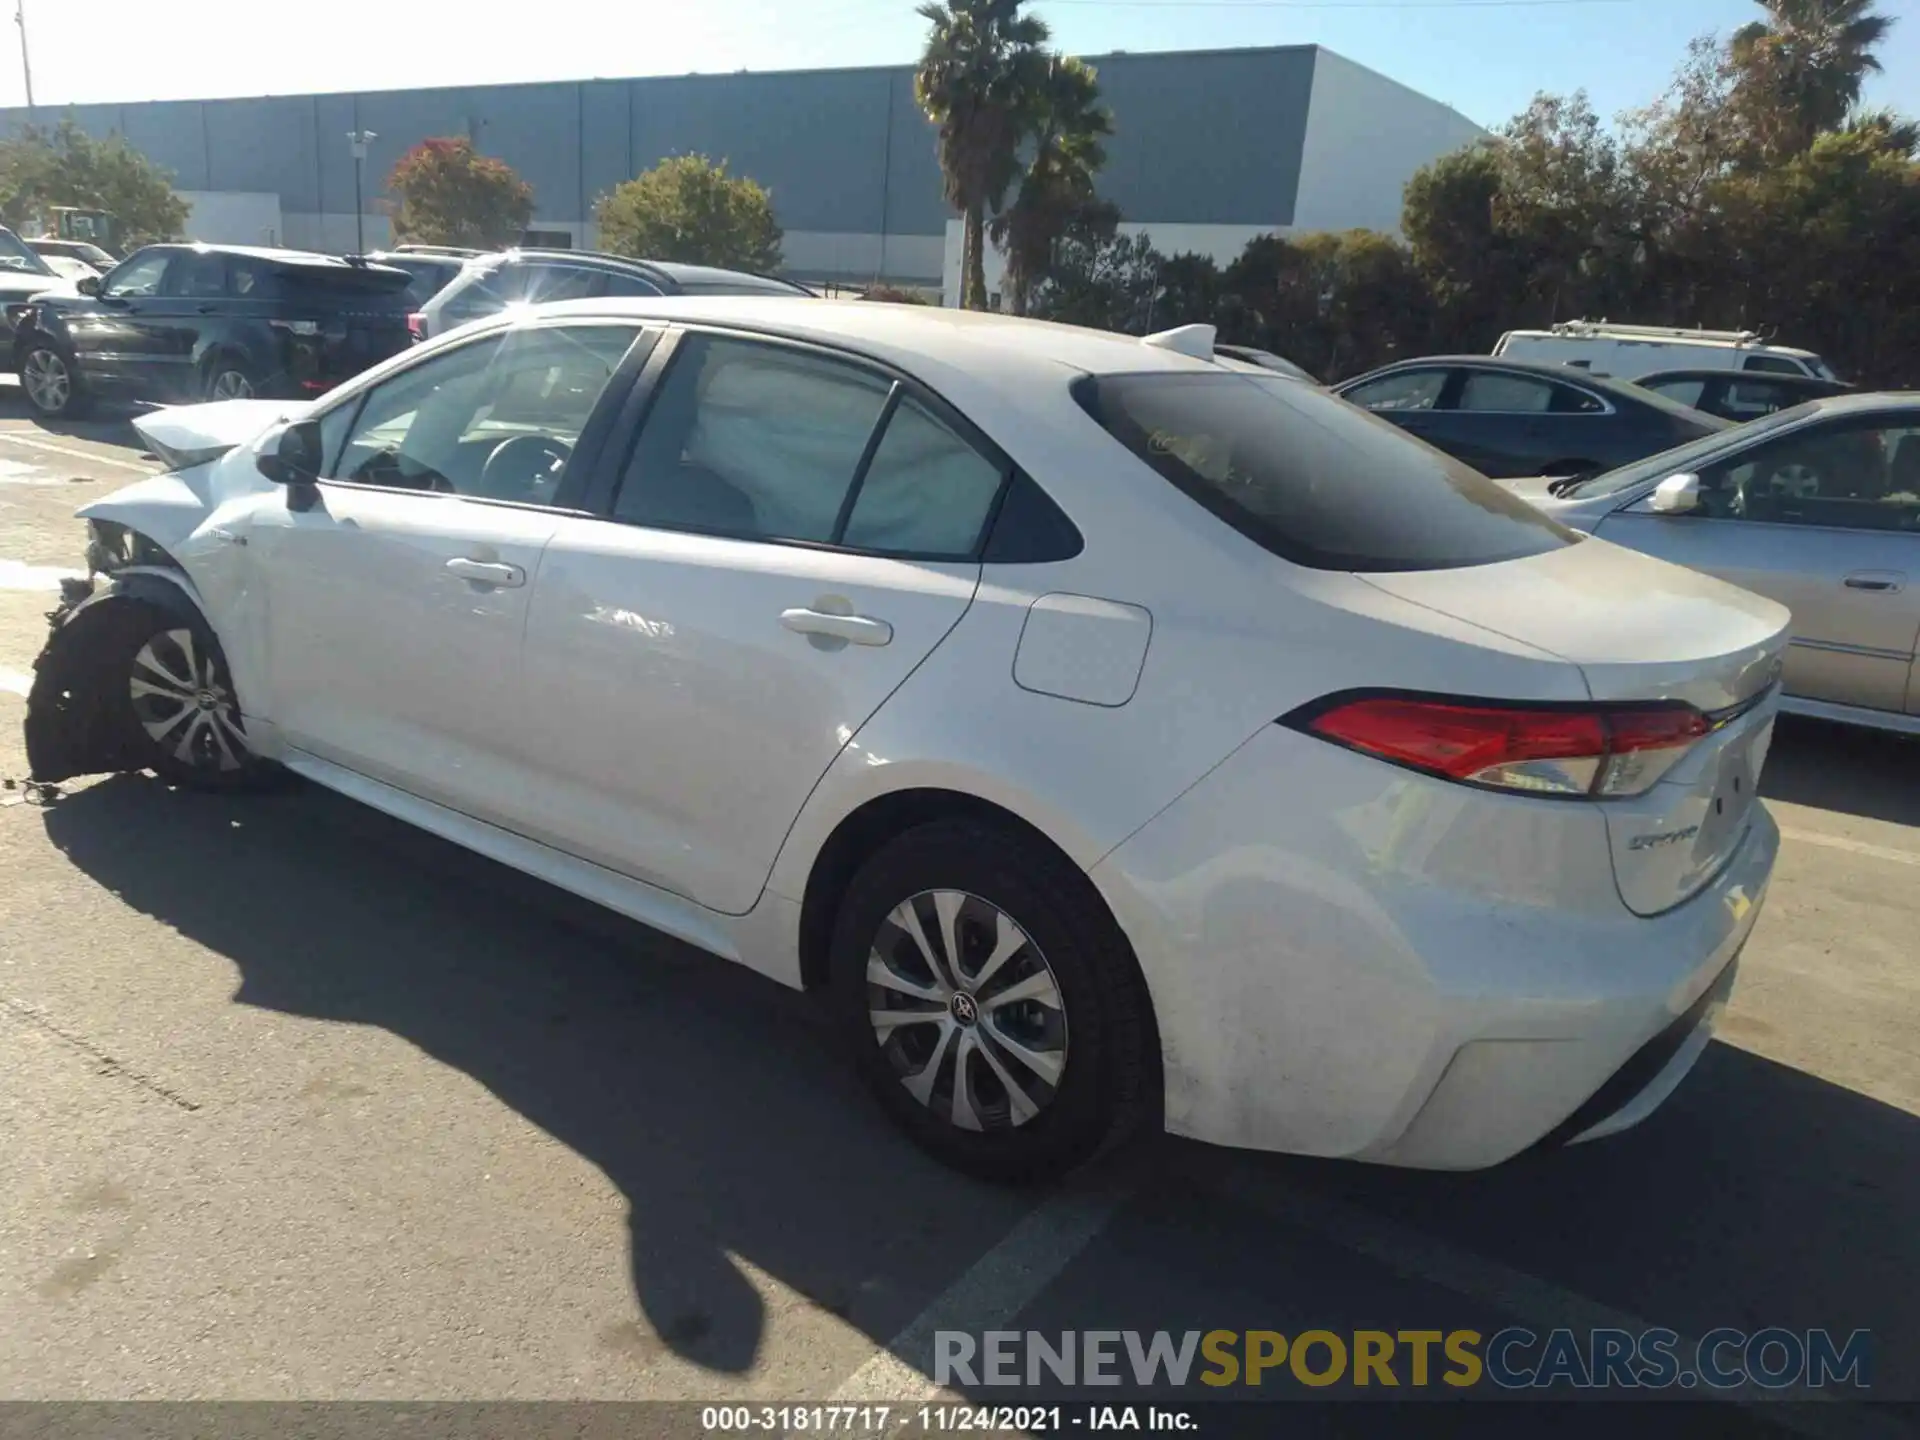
(1514, 417)
(175, 323)
(1739, 395)
(490, 283)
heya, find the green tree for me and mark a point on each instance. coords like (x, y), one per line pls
(688, 208)
(1103, 279)
(42, 168)
(449, 194)
(1065, 122)
(1800, 69)
(980, 69)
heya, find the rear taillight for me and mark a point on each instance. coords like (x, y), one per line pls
(1569, 750)
(417, 326)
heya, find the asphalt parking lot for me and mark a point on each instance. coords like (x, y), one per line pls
(299, 1103)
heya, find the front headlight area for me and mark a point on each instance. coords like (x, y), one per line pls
(112, 546)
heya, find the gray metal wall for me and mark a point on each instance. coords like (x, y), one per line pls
(1201, 137)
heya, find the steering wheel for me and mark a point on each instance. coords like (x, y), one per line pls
(524, 467)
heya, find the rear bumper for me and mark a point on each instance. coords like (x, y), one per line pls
(1351, 960)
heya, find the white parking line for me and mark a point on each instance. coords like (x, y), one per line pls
(34, 442)
(994, 1289)
(18, 575)
(14, 683)
(1857, 847)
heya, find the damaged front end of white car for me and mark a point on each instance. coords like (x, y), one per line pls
(132, 675)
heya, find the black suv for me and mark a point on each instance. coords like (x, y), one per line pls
(178, 323)
(489, 283)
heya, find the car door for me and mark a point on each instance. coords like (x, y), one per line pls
(1410, 398)
(191, 298)
(397, 598)
(111, 335)
(1826, 520)
(794, 532)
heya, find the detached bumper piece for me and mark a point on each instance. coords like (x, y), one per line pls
(1647, 1069)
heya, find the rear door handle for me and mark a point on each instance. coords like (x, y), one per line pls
(1883, 581)
(487, 572)
(855, 629)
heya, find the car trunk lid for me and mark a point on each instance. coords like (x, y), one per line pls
(1640, 631)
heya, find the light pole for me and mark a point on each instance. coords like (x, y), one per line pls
(359, 140)
(26, 65)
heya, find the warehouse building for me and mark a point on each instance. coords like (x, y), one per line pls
(1210, 148)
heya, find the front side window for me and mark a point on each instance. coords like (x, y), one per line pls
(1773, 365)
(1508, 394)
(1403, 390)
(496, 419)
(1312, 480)
(1852, 477)
(751, 440)
(137, 276)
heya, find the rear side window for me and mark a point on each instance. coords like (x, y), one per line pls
(1312, 480)
(1772, 365)
(1687, 392)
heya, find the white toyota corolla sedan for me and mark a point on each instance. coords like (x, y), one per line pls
(1108, 731)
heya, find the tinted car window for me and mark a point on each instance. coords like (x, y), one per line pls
(926, 490)
(495, 419)
(560, 282)
(1772, 365)
(620, 282)
(196, 275)
(1687, 392)
(341, 284)
(1505, 394)
(757, 441)
(1403, 390)
(1313, 480)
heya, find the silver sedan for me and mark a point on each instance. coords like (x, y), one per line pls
(1817, 507)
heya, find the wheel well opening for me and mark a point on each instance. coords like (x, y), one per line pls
(862, 833)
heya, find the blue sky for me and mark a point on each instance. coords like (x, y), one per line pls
(1486, 58)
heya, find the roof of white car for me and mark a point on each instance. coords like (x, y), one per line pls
(901, 334)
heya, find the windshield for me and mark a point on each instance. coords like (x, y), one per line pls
(1311, 478)
(1682, 458)
(14, 255)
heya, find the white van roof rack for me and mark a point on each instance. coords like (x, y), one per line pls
(1598, 329)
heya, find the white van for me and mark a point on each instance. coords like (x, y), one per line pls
(1630, 351)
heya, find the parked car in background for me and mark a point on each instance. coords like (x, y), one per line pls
(432, 271)
(1817, 507)
(1514, 417)
(208, 322)
(70, 270)
(85, 251)
(488, 284)
(23, 275)
(829, 629)
(1627, 352)
(1739, 395)
(1266, 360)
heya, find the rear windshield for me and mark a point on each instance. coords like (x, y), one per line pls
(1312, 478)
(324, 284)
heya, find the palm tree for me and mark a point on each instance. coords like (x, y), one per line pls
(1064, 119)
(1804, 64)
(980, 64)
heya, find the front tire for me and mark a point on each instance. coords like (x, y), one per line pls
(228, 379)
(51, 382)
(990, 1002)
(182, 717)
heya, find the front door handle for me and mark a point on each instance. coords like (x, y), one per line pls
(487, 572)
(1882, 581)
(855, 629)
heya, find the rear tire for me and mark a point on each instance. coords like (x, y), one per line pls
(51, 382)
(228, 379)
(1029, 1052)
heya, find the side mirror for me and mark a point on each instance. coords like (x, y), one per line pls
(88, 284)
(1675, 495)
(293, 457)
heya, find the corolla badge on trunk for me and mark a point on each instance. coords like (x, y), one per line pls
(1670, 837)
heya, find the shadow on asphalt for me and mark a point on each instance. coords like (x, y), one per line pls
(105, 425)
(1760, 1196)
(1868, 773)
